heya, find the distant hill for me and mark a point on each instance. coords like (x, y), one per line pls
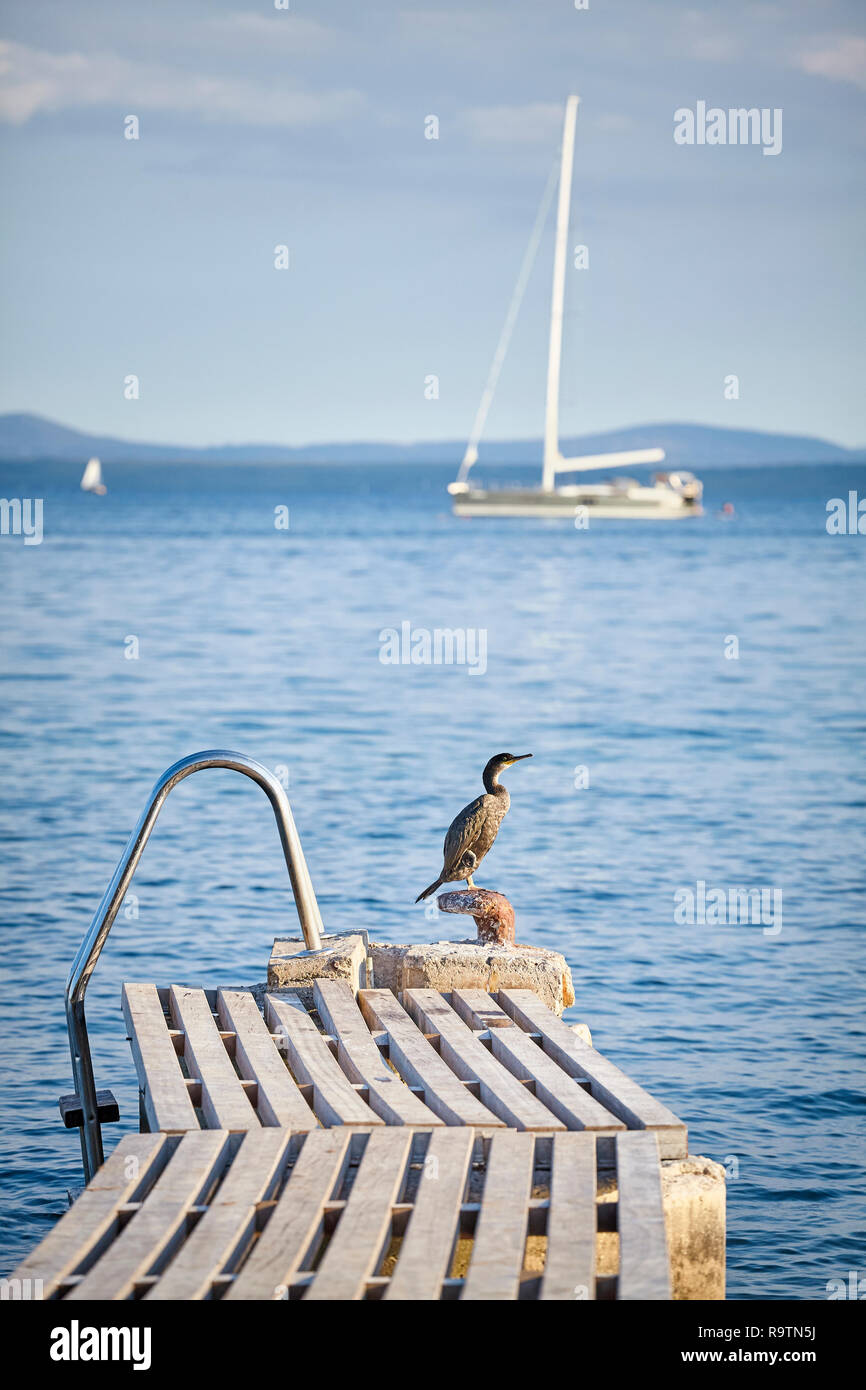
(25, 437)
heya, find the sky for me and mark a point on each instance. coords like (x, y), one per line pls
(307, 128)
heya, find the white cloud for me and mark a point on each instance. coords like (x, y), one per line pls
(842, 59)
(34, 81)
(534, 123)
(277, 28)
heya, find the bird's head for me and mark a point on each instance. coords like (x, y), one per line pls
(498, 763)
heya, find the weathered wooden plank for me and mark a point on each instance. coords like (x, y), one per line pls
(164, 1092)
(569, 1267)
(470, 1060)
(514, 1048)
(500, 1235)
(428, 1243)
(480, 1010)
(421, 1066)
(294, 1228)
(644, 1266)
(225, 1230)
(362, 1061)
(610, 1086)
(335, 1101)
(83, 1232)
(363, 1232)
(224, 1102)
(159, 1225)
(257, 1059)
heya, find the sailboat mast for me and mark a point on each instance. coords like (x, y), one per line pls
(551, 418)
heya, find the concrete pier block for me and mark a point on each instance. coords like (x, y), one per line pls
(447, 965)
(694, 1195)
(387, 964)
(292, 966)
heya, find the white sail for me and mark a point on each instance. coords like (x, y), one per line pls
(471, 455)
(91, 478)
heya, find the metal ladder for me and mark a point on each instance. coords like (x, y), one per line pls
(85, 1109)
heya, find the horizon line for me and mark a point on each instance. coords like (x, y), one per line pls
(530, 440)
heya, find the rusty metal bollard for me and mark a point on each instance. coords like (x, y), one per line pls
(493, 913)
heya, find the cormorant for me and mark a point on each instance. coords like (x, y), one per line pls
(473, 831)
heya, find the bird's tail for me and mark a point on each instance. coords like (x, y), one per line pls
(432, 889)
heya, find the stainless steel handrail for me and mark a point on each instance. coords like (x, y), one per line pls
(90, 948)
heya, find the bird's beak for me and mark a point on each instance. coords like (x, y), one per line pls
(520, 757)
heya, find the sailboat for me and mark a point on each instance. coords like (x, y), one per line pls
(670, 495)
(91, 478)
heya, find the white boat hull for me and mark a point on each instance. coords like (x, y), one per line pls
(582, 505)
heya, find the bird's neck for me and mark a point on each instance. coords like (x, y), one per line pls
(492, 784)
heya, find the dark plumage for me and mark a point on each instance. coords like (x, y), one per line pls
(472, 832)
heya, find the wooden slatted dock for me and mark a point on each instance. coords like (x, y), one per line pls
(377, 1147)
(345, 1214)
(214, 1060)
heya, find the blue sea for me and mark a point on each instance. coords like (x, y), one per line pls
(693, 696)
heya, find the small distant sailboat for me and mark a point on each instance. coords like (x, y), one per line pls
(91, 478)
(669, 496)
